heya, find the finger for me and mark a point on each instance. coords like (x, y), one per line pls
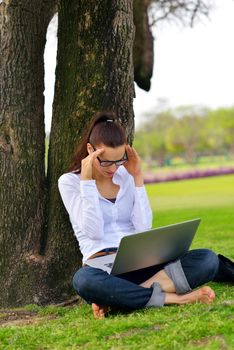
(129, 151)
(99, 150)
(135, 152)
(96, 153)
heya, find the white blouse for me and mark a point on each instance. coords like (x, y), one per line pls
(97, 222)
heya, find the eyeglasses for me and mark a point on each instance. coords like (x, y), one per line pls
(106, 163)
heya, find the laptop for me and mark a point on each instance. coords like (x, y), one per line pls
(144, 249)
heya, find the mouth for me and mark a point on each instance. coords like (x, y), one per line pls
(110, 173)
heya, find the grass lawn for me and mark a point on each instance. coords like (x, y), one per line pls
(190, 327)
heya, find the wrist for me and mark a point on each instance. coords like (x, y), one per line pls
(139, 181)
(85, 177)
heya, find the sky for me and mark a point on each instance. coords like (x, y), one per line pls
(192, 66)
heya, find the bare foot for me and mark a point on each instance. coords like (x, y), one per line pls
(99, 311)
(204, 295)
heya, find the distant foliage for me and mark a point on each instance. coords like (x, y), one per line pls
(187, 132)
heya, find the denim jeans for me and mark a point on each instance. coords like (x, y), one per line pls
(196, 267)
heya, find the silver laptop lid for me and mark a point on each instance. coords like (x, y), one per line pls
(153, 247)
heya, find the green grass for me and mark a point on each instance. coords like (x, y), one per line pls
(211, 199)
(189, 327)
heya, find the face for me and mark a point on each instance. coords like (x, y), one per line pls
(109, 154)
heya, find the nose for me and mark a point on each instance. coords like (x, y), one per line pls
(113, 167)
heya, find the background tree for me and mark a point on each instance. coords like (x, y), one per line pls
(143, 49)
(220, 123)
(151, 139)
(188, 132)
(183, 11)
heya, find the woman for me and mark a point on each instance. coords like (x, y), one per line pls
(105, 197)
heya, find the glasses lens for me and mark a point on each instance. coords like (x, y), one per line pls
(120, 162)
(105, 163)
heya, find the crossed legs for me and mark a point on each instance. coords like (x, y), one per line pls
(173, 284)
(203, 294)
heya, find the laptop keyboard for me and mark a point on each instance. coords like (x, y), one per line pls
(109, 265)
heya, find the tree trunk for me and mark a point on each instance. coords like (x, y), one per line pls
(94, 72)
(23, 26)
(38, 252)
(143, 45)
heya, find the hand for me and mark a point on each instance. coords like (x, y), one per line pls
(133, 165)
(87, 164)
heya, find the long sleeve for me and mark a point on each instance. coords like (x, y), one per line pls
(142, 212)
(80, 198)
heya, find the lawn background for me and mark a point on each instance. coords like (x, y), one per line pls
(190, 327)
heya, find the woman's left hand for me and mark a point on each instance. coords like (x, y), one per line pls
(133, 165)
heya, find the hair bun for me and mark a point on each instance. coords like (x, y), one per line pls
(104, 117)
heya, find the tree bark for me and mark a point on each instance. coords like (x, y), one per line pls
(94, 72)
(23, 26)
(143, 45)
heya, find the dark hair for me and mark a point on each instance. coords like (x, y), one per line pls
(103, 128)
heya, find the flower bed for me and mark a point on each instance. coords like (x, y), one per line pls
(189, 174)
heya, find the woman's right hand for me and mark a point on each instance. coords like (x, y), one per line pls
(87, 164)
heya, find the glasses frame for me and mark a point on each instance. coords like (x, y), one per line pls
(107, 163)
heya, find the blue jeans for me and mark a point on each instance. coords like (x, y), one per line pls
(196, 267)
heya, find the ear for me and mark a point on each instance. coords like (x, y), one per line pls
(89, 148)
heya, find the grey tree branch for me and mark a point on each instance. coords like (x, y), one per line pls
(185, 11)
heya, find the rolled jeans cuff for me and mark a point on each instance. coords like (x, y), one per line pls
(176, 274)
(157, 298)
